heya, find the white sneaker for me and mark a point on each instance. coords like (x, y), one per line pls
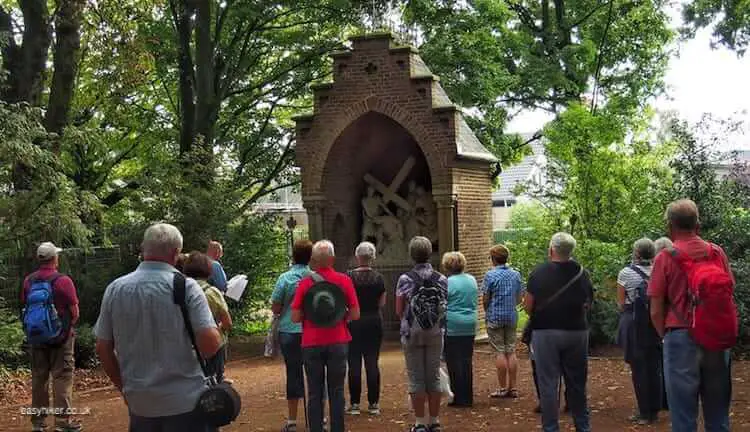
(374, 409)
(354, 410)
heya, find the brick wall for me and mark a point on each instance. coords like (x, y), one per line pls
(473, 186)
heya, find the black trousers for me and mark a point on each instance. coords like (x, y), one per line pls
(646, 370)
(459, 354)
(367, 336)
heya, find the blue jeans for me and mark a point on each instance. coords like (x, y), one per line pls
(325, 364)
(692, 373)
(562, 353)
(188, 422)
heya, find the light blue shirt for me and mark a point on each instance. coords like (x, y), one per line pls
(218, 277)
(461, 318)
(283, 294)
(160, 373)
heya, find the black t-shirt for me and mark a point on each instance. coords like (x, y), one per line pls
(567, 311)
(369, 285)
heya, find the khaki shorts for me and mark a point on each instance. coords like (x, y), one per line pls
(502, 338)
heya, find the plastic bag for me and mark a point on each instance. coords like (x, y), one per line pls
(272, 348)
(445, 389)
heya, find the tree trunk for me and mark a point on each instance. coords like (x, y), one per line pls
(181, 15)
(37, 35)
(204, 64)
(11, 56)
(66, 58)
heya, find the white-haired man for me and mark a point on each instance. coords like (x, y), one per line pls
(558, 296)
(144, 346)
(324, 348)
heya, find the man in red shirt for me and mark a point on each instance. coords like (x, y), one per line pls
(324, 349)
(690, 372)
(56, 360)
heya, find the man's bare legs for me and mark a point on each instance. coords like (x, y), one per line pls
(512, 370)
(501, 362)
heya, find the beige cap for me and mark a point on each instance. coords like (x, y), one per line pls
(46, 251)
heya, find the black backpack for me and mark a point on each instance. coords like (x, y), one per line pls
(645, 333)
(428, 301)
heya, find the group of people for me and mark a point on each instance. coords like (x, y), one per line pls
(147, 353)
(670, 369)
(141, 339)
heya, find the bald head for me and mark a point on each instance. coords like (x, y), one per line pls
(682, 216)
(323, 255)
(215, 250)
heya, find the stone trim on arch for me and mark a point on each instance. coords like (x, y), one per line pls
(435, 161)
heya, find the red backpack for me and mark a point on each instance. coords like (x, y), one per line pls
(714, 325)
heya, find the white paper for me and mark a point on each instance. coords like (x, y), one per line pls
(235, 287)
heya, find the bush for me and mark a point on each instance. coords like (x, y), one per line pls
(12, 353)
(85, 348)
(257, 248)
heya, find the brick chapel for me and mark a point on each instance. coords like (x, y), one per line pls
(385, 155)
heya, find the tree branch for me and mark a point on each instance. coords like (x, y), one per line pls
(271, 176)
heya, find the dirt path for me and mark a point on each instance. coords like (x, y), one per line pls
(261, 384)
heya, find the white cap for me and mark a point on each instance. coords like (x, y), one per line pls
(46, 251)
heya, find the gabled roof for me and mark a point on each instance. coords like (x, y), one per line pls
(521, 172)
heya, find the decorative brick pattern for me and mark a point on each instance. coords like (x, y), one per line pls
(387, 96)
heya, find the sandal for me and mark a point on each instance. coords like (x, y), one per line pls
(499, 394)
(511, 394)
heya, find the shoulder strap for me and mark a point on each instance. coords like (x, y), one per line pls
(640, 272)
(179, 294)
(316, 277)
(415, 277)
(561, 291)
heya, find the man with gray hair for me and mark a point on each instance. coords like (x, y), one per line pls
(144, 346)
(691, 372)
(422, 339)
(324, 313)
(559, 294)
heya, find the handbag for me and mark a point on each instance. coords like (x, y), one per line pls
(220, 404)
(527, 330)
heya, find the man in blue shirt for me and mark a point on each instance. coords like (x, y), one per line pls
(218, 277)
(502, 291)
(290, 333)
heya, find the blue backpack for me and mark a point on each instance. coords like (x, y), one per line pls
(41, 322)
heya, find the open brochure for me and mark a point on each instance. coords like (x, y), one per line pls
(235, 287)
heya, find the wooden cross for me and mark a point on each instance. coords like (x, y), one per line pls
(390, 192)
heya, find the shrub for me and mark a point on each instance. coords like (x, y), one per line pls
(85, 347)
(257, 248)
(12, 353)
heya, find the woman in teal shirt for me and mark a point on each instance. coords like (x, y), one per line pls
(461, 322)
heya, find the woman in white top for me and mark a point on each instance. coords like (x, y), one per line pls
(637, 337)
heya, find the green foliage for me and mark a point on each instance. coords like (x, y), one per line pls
(615, 180)
(258, 249)
(85, 347)
(12, 354)
(501, 57)
(730, 21)
(46, 206)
